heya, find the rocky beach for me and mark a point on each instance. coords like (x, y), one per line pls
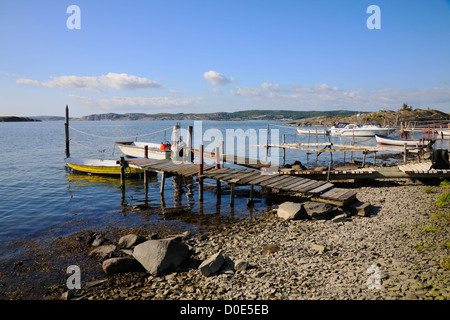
(397, 248)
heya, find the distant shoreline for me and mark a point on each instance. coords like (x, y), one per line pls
(17, 119)
(293, 118)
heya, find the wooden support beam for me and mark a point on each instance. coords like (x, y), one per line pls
(217, 155)
(200, 173)
(232, 186)
(66, 125)
(163, 181)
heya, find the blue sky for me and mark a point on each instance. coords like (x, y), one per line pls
(222, 55)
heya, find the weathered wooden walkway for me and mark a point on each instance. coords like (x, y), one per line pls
(320, 190)
(421, 170)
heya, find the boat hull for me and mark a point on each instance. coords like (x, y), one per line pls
(98, 166)
(401, 142)
(313, 131)
(137, 150)
(365, 132)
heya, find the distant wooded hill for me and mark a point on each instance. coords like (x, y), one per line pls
(238, 115)
(16, 119)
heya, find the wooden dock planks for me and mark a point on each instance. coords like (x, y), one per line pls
(320, 190)
(337, 196)
(421, 167)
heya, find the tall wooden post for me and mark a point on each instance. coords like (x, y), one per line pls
(146, 185)
(232, 187)
(200, 172)
(66, 125)
(404, 153)
(284, 149)
(217, 156)
(146, 152)
(122, 175)
(267, 142)
(163, 182)
(189, 153)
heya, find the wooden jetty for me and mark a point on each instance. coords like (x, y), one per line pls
(322, 191)
(420, 170)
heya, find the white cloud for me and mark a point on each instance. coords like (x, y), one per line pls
(217, 79)
(123, 102)
(119, 81)
(216, 91)
(325, 96)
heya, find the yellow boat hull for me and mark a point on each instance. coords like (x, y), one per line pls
(108, 167)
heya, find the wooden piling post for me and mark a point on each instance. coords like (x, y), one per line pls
(200, 172)
(146, 152)
(217, 157)
(163, 182)
(232, 186)
(122, 173)
(189, 144)
(146, 185)
(222, 147)
(404, 154)
(328, 172)
(284, 150)
(267, 142)
(66, 125)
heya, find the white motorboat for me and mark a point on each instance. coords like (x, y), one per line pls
(156, 151)
(137, 149)
(355, 130)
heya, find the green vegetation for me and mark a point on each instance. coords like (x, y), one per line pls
(430, 229)
(446, 245)
(445, 184)
(441, 215)
(429, 189)
(16, 119)
(422, 246)
(443, 200)
(238, 115)
(445, 263)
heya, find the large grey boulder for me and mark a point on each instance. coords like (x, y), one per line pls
(212, 264)
(157, 256)
(289, 210)
(318, 210)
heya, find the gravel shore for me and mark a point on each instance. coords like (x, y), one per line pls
(400, 252)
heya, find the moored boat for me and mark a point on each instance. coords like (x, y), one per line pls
(401, 142)
(367, 130)
(322, 132)
(137, 149)
(98, 166)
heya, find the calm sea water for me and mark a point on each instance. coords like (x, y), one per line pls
(38, 194)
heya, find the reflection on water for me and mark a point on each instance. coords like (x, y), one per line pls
(37, 192)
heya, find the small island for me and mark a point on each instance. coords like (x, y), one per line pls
(16, 119)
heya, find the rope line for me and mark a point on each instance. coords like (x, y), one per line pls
(130, 137)
(101, 151)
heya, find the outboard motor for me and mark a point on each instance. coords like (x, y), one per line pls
(439, 159)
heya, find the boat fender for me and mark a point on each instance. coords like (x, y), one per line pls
(165, 146)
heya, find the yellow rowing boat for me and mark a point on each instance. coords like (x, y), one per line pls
(98, 166)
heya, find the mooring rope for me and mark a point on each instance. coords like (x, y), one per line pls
(101, 151)
(141, 135)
